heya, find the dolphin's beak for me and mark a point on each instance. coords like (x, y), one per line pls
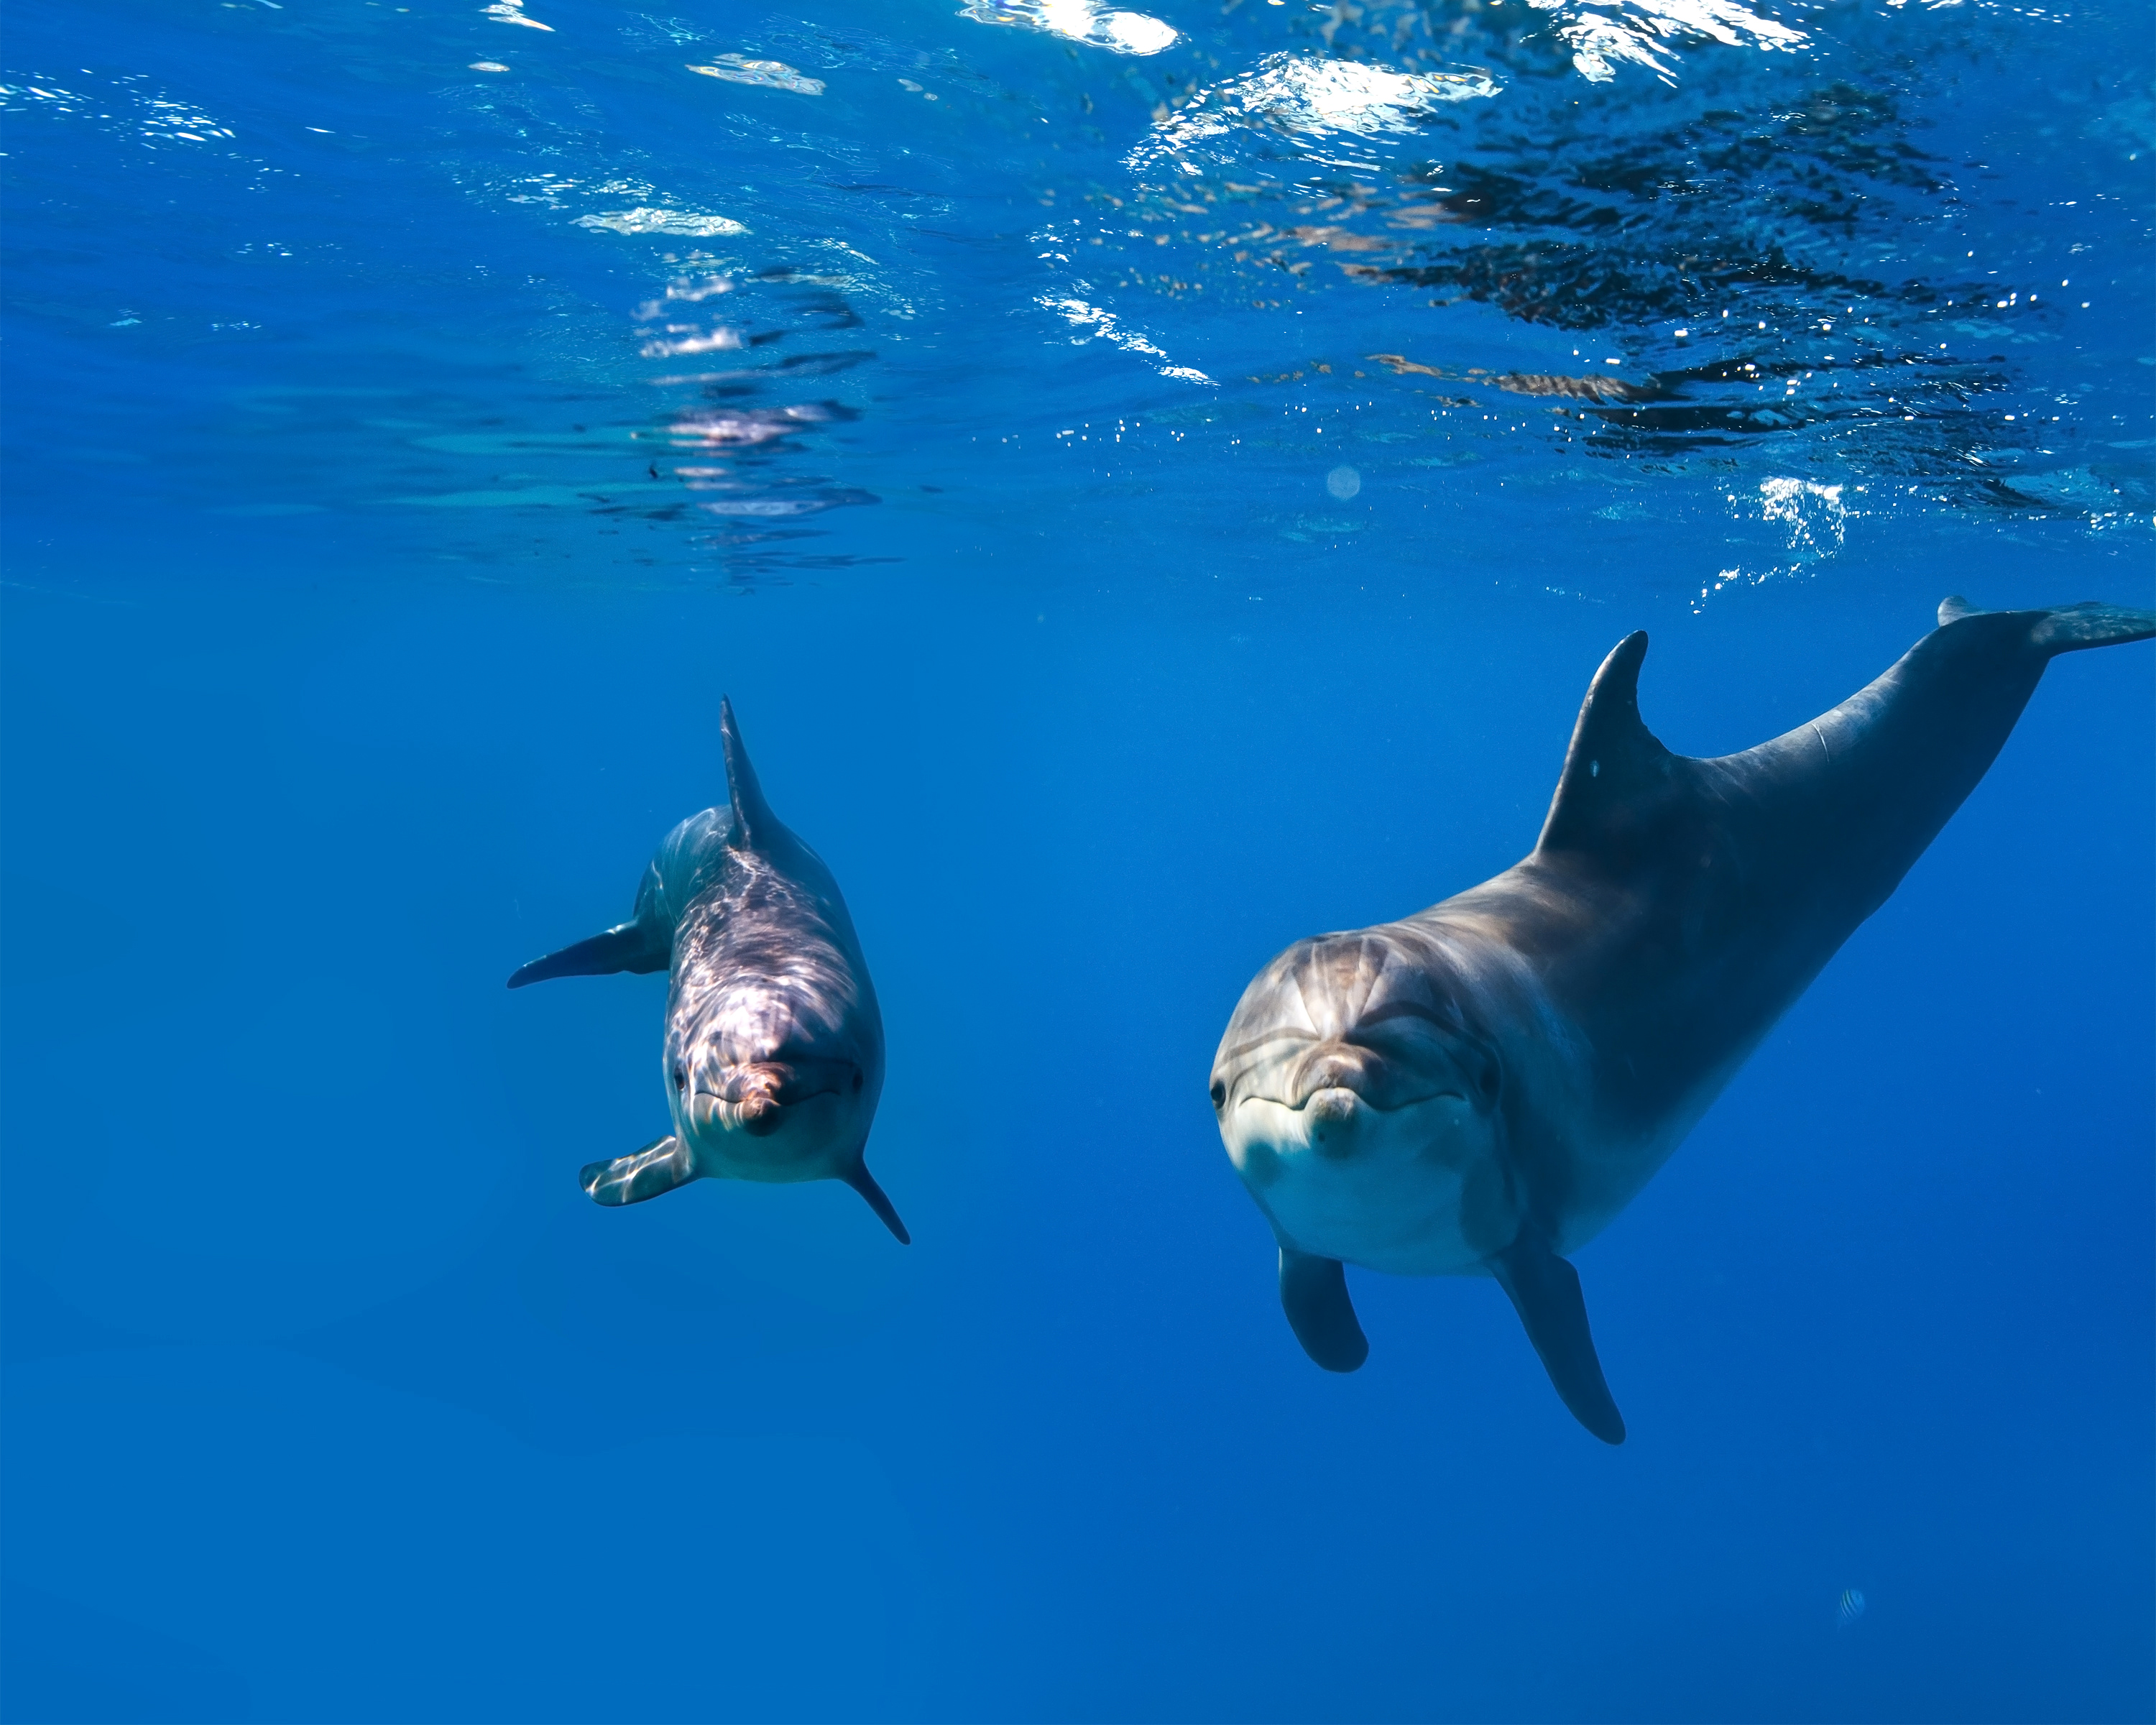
(1331, 1116)
(753, 1097)
(759, 1114)
(1336, 1080)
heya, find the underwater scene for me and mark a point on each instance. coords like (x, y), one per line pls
(1202, 708)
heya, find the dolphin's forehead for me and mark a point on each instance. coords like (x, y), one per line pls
(1346, 981)
(1327, 989)
(745, 1017)
(1334, 977)
(1327, 986)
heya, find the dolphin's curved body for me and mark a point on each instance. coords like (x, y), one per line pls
(1479, 1088)
(773, 1056)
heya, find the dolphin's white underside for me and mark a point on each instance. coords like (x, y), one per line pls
(1381, 1188)
(810, 1141)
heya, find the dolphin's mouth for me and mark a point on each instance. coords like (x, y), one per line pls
(1338, 1099)
(1337, 1102)
(1336, 1077)
(752, 1097)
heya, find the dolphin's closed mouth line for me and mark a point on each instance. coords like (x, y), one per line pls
(1436, 1095)
(787, 1101)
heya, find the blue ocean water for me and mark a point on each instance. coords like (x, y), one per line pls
(1154, 485)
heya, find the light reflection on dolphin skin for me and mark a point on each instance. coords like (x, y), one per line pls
(1479, 1088)
(773, 1054)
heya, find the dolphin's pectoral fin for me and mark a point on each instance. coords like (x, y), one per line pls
(1314, 1295)
(629, 946)
(1545, 1291)
(862, 1181)
(658, 1166)
(1616, 770)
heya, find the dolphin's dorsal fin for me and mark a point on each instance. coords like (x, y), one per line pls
(1616, 774)
(754, 824)
(1953, 607)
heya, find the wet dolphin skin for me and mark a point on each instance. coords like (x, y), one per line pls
(1479, 1088)
(773, 1054)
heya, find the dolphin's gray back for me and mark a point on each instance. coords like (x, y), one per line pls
(688, 859)
(761, 942)
(1681, 906)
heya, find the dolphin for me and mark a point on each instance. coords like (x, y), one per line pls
(774, 1055)
(1479, 1088)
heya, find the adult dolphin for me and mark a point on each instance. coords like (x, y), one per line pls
(1479, 1089)
(773, 1054)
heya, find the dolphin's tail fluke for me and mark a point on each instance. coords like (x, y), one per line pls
(2066, 629)
(862, 1181)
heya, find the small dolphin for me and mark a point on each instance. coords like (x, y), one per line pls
(1479, 1088)
(774, 1046)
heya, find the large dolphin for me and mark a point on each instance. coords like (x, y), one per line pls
(774, 1046)
(1479, 1089)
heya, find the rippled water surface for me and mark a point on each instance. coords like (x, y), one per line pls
(1155, 483)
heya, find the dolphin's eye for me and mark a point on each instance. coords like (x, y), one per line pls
(681, 1077)
(1220, 1094)
(857, 1081)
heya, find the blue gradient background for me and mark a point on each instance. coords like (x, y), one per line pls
(328, 1396)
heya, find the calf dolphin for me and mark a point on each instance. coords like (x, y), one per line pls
(1479, 1088)
(773, 1054)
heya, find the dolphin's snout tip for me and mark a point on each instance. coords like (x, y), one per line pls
(1343, 1073)
(757, 1098)
(756, 1113)
(1331, 1115)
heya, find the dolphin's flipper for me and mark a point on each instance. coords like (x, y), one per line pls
(629, 945)
(1314, 1295)
(658, 1166)
(753, 822)
(862, 1181)
(1545, 1291)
